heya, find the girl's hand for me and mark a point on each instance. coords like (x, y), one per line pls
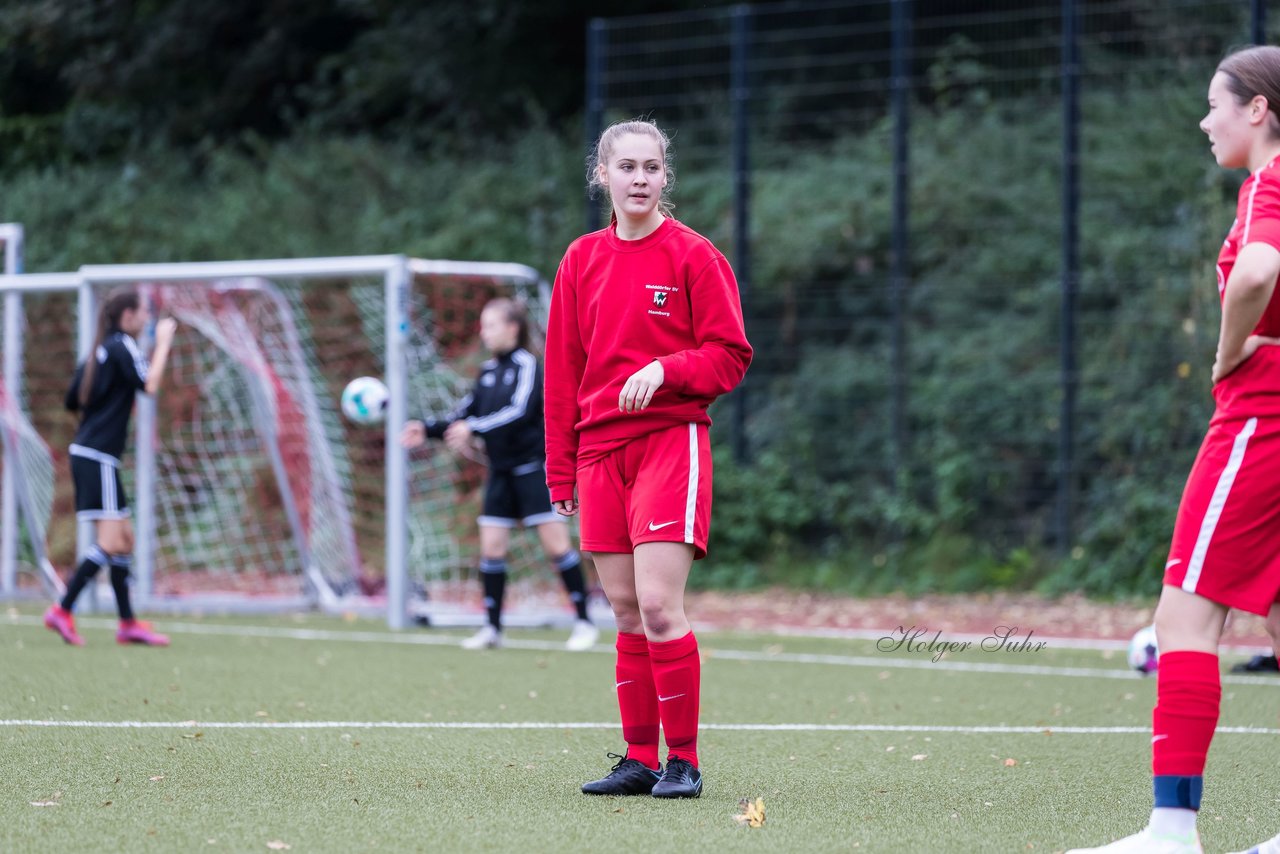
(568, 507)
(165, 327)
(1222, 367)
(458, 436)
(413, 434)
(638, 390)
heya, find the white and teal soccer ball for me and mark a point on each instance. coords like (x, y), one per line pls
(1144, 655)
(364, 400)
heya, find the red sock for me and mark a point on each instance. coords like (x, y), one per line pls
(677, 673)
(1188, 694)
(637, 699)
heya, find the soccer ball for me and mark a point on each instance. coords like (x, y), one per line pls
(1143, 652)
(364, 400)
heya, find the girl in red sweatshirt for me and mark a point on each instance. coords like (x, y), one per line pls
(645, 332)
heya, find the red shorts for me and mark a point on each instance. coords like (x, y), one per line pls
(654, 489)
(1226, 542)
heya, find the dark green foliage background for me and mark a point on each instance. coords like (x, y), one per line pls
(443, 130)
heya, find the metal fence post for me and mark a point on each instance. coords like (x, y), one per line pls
(1070, 268)
(593, 119)
(899, 276)
(740, 95)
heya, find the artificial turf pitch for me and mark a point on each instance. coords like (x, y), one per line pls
(326, 735)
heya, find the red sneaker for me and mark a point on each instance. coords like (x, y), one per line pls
(64, 624)
(136, 631)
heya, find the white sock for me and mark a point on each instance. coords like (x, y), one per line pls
(1172, 821)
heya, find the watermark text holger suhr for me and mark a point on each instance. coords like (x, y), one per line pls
(914, 639)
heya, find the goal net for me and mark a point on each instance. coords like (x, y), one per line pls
(252, 491)
(28, 464)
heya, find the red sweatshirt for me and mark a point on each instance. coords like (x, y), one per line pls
(619, 305)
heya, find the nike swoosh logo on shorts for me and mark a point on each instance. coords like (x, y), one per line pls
(1156, 738)
(1173, 562)
(620, 684)
(653, 527)
(672, 697)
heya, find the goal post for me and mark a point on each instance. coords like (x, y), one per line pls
(11, 237)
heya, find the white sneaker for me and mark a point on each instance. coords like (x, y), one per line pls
(582, 637)
(486, 638)
(1147, 842)
(1271, 846)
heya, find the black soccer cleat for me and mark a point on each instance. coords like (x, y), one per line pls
(681, 780)
(1257, 664)
(628, 777)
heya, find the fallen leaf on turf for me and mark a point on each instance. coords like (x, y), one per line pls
(752, 814)
(919, 756)
(44, 803)
(1009, 763)
(106, 803)
(157, 778)
(279, 846)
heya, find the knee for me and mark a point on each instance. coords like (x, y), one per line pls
(626, 612)
(1273, 625)
(658, 615)
(1166, 625)
(117, 543)
(1183, 624)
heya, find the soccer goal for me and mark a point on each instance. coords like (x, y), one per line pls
(250, 489)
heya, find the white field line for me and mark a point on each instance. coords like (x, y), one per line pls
(545, 725)
(885, 662)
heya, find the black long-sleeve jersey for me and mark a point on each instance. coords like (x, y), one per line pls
(505, 409)
(120, 374)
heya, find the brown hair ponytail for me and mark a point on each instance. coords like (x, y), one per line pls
(108, 319)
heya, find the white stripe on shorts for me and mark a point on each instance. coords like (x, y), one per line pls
(105, 473)
(691, 500)
(1216, 505)
(91, 454)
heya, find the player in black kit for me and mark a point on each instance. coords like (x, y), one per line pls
(103, 391)
(505, 410)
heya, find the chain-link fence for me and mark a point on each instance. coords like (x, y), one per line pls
(975, 242)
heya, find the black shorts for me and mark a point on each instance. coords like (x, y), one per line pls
(518, 496)
(99, 492)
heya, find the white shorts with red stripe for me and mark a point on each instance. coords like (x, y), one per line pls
(1226, 542)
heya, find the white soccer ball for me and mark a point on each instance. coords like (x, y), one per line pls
(1144, 655)
(364, 400)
